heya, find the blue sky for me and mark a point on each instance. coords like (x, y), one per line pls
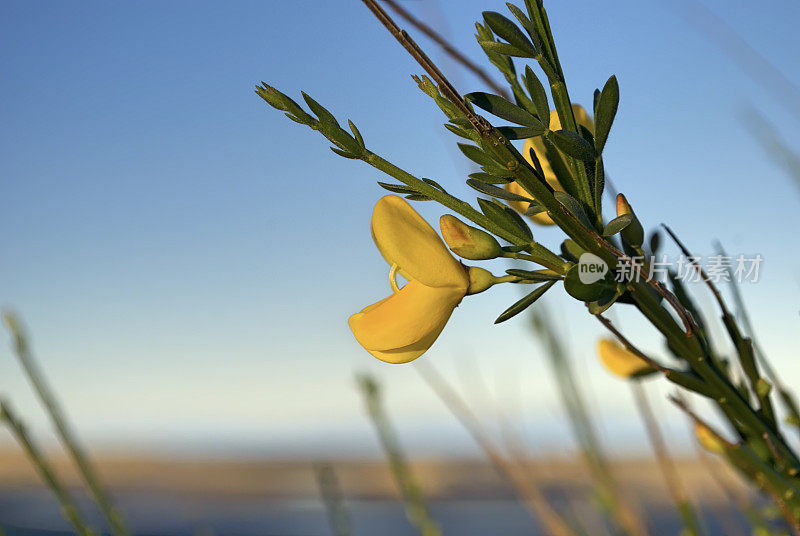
(186, 258)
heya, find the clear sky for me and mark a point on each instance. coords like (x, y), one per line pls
(186, 258)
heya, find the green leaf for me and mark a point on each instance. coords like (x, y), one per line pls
(504, 109)
(503, 48)
(573, 206)
(572, 247)
(476, 154)
(617, 224)
(356, 133)
(458, 131)
(520, 223)
(538, 96)
(526, 23)
(573, 144)
(581, 291)
(596, 98)
(502, 217)
(655, 242)
(534, 275)
(535, 209)
(343, 153)
(506, 29)
(319, 110)
(524, 303)
(519, 133)
(489, 178)
(433, 183)
(418, 197)
(604, 114)
(397, 188)
(494, 191)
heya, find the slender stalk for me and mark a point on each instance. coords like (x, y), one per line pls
(331, 493)
(452, 51)
(692, 524)
(786, 396)
(531, 496)
(65, 434)
(416, 509)
(607, 487)
(68, 508)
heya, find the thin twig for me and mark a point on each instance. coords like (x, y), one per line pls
(452, 51)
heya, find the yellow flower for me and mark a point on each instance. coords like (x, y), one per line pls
(402, 327)
(538, 146)
(709, 439)
(621, 361)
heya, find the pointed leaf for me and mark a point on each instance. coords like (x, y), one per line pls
(572, 144)
(476, 154)
(519, 133)
(538, 96)
(617, 224)
(524, 303)
(494, 191)
(606, 110)
(506, 29)
(504, 109)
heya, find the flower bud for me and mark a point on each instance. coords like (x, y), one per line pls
(468, 242)
(479, 280)
(620, 361)
(633, 234)
(708, 439)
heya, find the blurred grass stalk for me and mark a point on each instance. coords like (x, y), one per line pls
(65, 435)
(332, 497)
(527, 490)
(608, 491)
(68, 508)
(416, 509)
(691, 521)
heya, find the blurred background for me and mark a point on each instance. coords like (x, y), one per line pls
(185, 259)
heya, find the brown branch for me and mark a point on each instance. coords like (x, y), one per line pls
(453, 52)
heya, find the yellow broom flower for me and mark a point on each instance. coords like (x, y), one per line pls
(538, 146)
(620, 361)
(402, 327)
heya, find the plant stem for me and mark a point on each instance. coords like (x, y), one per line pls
(68, 508)
(63, 430)
(338, 516)
(416, 509)
(531, 495)
(692, 525)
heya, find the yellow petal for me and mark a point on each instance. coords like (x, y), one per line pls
(404, 325)
(405, 238)
(621, 361)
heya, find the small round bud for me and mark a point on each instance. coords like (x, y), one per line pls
(468, 242)
(479, 280)
(633, 234)
(708, 439)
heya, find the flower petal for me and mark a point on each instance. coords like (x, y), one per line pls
(407, 323)
(405, 238)
(621, 361)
